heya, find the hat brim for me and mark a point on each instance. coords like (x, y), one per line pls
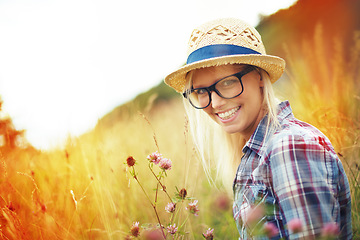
(273, 65)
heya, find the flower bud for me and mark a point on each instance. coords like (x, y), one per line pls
(135, 230)
(130, 161)
(183, 193)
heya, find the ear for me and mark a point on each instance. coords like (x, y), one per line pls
(261, 82)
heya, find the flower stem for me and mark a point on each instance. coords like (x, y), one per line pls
(162, 186)
(157, 216)
(142, 188)
(187, 217)
(176, 213)
(152, 204)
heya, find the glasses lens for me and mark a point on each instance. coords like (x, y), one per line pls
(229, 87)
(199, 98)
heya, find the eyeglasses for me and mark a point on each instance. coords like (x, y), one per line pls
(227, 87)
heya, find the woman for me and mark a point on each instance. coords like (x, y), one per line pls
(287, 170)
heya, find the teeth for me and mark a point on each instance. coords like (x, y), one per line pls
(228, 114)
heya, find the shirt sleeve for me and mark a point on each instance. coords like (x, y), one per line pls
(305, 178)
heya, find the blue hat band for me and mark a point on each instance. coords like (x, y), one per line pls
(218, 50)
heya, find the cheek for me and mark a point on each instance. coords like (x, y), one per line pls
(253, 93)
(209, 112)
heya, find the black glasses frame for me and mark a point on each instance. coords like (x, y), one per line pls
(211, 88)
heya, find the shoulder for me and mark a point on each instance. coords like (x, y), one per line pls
(291, 131)
(301, 153)
(298, 138)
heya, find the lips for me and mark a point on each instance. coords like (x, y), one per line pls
(228, 115)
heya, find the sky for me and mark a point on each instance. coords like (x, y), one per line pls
(66, 63)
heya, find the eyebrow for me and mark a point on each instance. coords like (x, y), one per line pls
(241, 68)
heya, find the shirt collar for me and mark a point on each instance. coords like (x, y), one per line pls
(257, 143)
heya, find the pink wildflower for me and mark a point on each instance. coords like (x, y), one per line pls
(170, 207)
(222, 202)
(209, 234)
(193, 208)
(254, 215)
(165, 164)
(154, 157)
(270, 230)
(135, 231)
(153, 234)
(330, 230)
(172, 229)
(295, 225)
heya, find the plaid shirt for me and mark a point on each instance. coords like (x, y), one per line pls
(290, 173)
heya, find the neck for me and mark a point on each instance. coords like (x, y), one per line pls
(249, 132)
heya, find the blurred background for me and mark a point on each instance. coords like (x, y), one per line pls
(81, 88)
(65, 64)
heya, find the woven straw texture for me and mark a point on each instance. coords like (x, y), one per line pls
(226, 31)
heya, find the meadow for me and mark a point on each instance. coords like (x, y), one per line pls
(85, 190)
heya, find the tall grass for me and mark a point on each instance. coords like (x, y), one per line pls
(324, 89)
(84, 191)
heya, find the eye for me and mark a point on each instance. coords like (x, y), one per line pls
(228, 82)
(200, 91)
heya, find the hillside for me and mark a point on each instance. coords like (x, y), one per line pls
(291, 27)
(144, 102)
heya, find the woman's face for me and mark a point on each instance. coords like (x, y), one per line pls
(241, 114)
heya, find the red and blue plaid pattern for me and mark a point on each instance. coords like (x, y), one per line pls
(295, 173)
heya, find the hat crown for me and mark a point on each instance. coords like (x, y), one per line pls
(226, 31)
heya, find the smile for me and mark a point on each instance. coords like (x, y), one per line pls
(228, 114)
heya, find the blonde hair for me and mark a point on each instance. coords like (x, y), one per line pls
(217, 148)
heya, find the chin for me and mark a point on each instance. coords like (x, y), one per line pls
(231, 130)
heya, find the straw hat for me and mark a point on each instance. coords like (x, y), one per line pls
(225, 41)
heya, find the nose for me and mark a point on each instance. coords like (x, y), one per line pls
(216, 101)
